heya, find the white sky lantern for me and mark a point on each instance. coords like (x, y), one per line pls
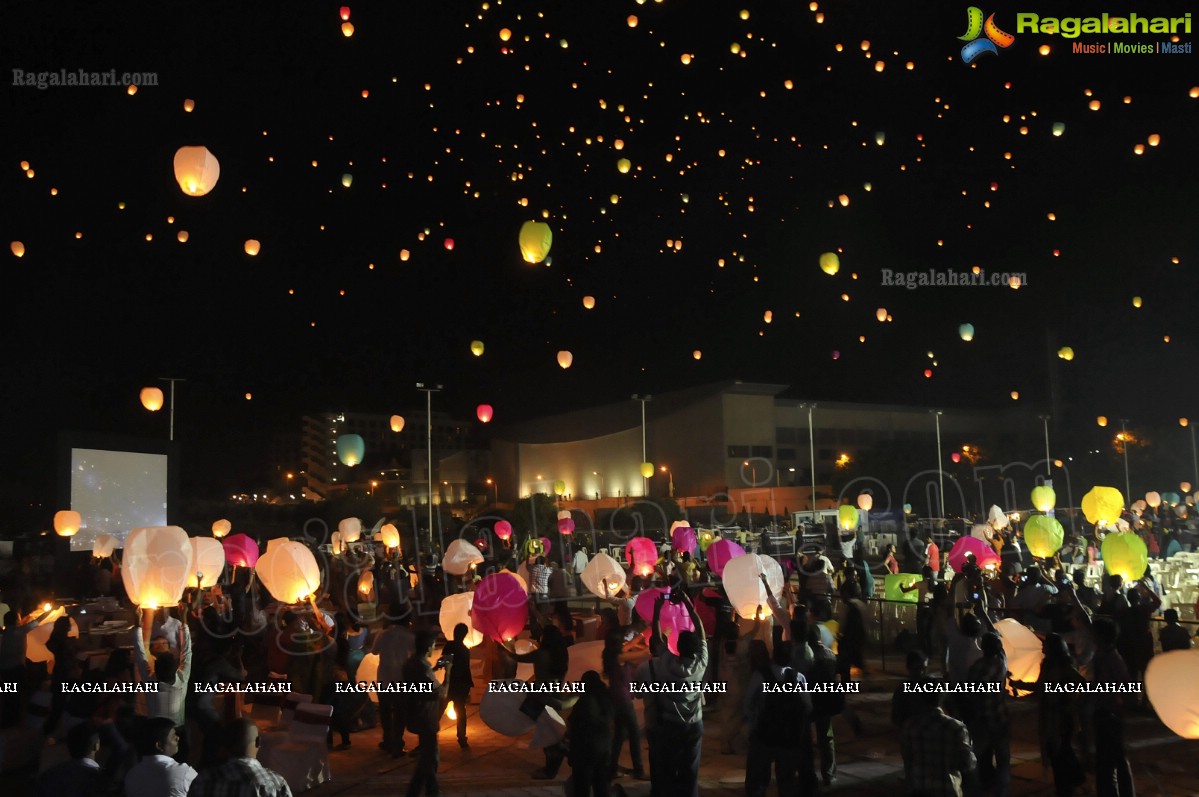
(196, 170)
(151, 398)
(456, 609)
(351, 529)
(366, 586)
(289, 571)
(221, 528)
(865, 502)
(565, 358)
(599, 568)
(1022, 648)
(459, 556)
(1153, 499)
(208, 559)
(67, 523)
(1173, 690)
(743, 583)
(368, 671)
(157, 563)
(336, 544)
(104, 545)
(397, 423)
(390, 536)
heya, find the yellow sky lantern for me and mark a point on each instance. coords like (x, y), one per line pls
(196, 170)
(881, 314)
(632, 20)
(151, 398)
(830, 263)
(397, 423)
(647, 470)
(67, 523)
(347, 29)
(404, 255)
(565, 359)
(476, 348)
(536, 238)
(505, 34)
(1101, 420)
(389, 535)
(697, 354)
(623, 165)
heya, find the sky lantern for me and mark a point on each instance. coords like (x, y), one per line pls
(623, 165)
(345, 13)
(389, 535)
(503, 530)
(456, 609)
(847, 517)
(865, 502)
(1154, 140)
(1043, 498)
(928, 373)
(682, 538)
(685, 58)
(565, 358)
(642, 554)
(156, 566)
(1173, 690)
(151, 398)
(221, 528)
(566, 526)
(880, 138)
(240, 550)
(601, 568)
(674, 618)
(1066, 353)
(366, 586)
(1101, 420)
(742, 578)
(347, 29)
(104, 545)
(1023, 650)
(253, 247)
(288, 570)
(1059, 128)
(196, 170)
(189, 106)
(588, 302)
(647, 470)
(484, 412)
(1153, 499)
(966, 332)
(404, 255)
(632, 21)
(350, 529)
(984, 554)
(720, 553)
(881, 314)
(17, 248)
(505, 34)
(536, 237)
(1102, 506)
(697, 354)
(1136, 302)
(67, 523)
(460, 556)
(1043, 535)
(476, 348)
(347, 180)
(1125, 554)
(500, 609)
(350, 449)
(208, 560)
(448, 244)
(397, 423)
(830, 263)
(182, 236)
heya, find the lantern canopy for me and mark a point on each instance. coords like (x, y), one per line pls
(503, 530)
(1043, 498)
(1125, 554)
(966, 332)
(484, 413)
(253, 247)
(151, 398)
(288, 570)
(642, 555)
(682, 538)
(984, 554)
(390, 536)
(559, 488)
(647, 470)
(1044, 536)
(240, 550)
(566, 526)
(603, 567)
(743, 583)
(997, 518)
(196, 170)
(208, 559)
(104, 545)
(350, 449)
(830, 263)
(366, 585)
(535, 240)
(476, 348)
(221, 528)
(720, 553)
(865, 502)
(674, 618)
(1153, 499)
(565, 359)
(1173, 690)
(158, 560)
(847, 517)
(368, 672)
(67, 523)
(456, 609)
(459, 556)
(500, 608)
(397, 423)
(351, 529)
(1102, 505)
(1023, 649)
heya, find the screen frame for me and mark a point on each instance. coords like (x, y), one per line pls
(70, 440)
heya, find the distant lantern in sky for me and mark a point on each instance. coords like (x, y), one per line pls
(347, 29)
(768, 316)
(476, 348)
(1136, 301)
(67, 523)
(928, 373)
(830, 263)
(1015, 395)
(535, 240)
(881, 314)
(844, 200)
(397, 423)
(685, 58)
(221, 528)
(1101, 420)
(449, 244)
(351, 448)
(880, 138)
(347, 180)
(252, 247)
(589, 302)
(623, 165)
(697, 354)
(966, 332)
(1059, 128)
(189, 106)
(565, 358)
(345, 13)
(647, 470)
(196, 170)
(1154, 140)
(404, 255)
(17, 248)
(484, 413)
(632, 20)
(182, 236)
(505, 34)
(1066, 353)
(151, 398)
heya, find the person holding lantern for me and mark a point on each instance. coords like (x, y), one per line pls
(171, 673)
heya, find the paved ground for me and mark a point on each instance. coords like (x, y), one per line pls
(1163, 764)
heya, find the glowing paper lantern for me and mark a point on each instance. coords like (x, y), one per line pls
(484, 413)
(566, 526)
(1153, 499)
(350, 449)
(830, 263)
(345, 13)
(546, 544)
(1023, 649)
(252, 247)
(847, 517)
(503, 530)
(36, 650)
(389, 535)
(673, 620)
(335, 542)
(1136, 301)
(1103, 505)
(151, 398)
(603, 567)
(366, 586)
(347, 29)
(536, 237)
(196, 170)
(221, 528)
(1066, 353)
(500, 608)
(1043, 497)
(288, 570)
(647, 470)
(865, 502)
(476, 348)
(682, 538)
(208, 559)
(104, 545)
(240, 550)
(1125, 554)
(1043, 535)
(448, 243)
(1173, 690)
(17, 248)
(368, 672)
(997, 518)
(67, 523)
(881, 314)
(459, 556)
(455, 609)
(743, 583)
(158, 560)
(350, 529)
(893, 582)
(588, 302)
(984, 554)
(1101, 420)
(642, 555)
(505, 34)
(1059, 128)
(720, 553)
(397, 423)
(347, 180)
(623, 165)
(565, 358)
(966, 332)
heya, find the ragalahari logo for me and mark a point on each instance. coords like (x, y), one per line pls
(993, 38)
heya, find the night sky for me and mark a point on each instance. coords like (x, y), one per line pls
(445, 127)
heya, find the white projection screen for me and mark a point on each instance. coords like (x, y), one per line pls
(116, 492)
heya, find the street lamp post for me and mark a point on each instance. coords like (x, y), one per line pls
(496, 486)
(1048, 462)
(171, 405)
(1124, 440)
(670, 477)
(940, 470)
(1194, 454)
(811, 455)
(429, 391)
(643, 399)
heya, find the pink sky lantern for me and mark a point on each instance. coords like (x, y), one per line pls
(501, 606)
(566, 527)
(719, 554)
(682, 538)
(449, 244)
(484, 413)
(503, 530)
(984, 554)
(545, 541)
(674, 619)
(240, 550)
(642, 555)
